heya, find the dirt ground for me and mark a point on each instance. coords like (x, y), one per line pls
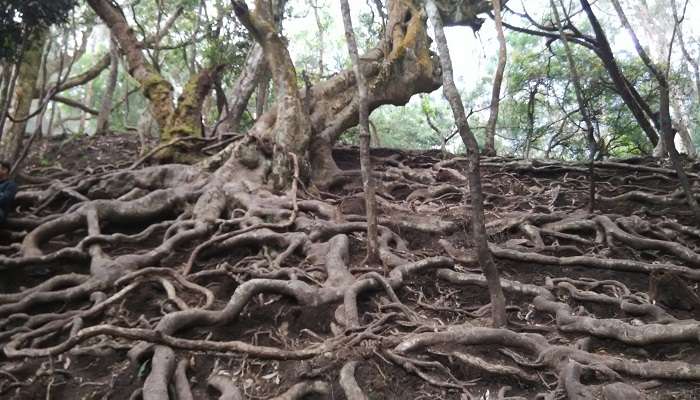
(424, 201)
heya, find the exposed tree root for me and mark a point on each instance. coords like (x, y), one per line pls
(180, 266)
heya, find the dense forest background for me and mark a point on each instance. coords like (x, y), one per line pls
(538, 117)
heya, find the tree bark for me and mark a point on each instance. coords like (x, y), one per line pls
(243, 88)
(8, 94)
(291, 130)
(400, 66)
(490, 145)
(668, 134)
(498, 310)
(365, 161)
(314, 4)
(28, 75)
(253, 74)
(155, 88)
(530, 134)
(174, 122)
(582, 104)
(627, 92)
(683, 131)
(106, 106)
(262, 93)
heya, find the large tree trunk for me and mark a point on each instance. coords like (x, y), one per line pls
(291, 131)
(399, 67)
(498, 306)
(175, 122)
(186, 119)
(28, 75)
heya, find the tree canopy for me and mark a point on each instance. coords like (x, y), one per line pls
(18, 17)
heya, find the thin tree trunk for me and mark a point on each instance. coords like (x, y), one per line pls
(106, 106)
(319, 37)
(365, 162)
(498, 309)
(668, 135)
(490, 145)
(576, 80)
(530, 121)
(9, 95)
(627, 92)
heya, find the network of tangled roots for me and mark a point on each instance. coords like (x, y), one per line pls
(169, 282)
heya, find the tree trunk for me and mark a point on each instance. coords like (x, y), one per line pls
(314, 4)
(632, 100)
(291, 130)
(498, 310)
(186, 119)
(8, 94)
(263, 92)
(252, 75)
(155, 88)
(399, 67)
(174, 122)
(668, 134)
(243, 88)
(582, 104)
(683, 130)
(106, 107)
(490, 145)
(87, 102)
(28, 75)
(365, 161)
(531, 101)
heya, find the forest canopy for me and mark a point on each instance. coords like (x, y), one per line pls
(17, 17)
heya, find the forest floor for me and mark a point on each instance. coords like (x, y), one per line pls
(593, 298)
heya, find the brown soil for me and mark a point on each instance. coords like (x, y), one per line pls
(272, 320)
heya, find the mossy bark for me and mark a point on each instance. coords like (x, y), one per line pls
(291, 131)
(174, 122)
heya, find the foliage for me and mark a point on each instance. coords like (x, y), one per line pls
(17, 17)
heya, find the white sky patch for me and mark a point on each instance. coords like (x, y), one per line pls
(471, 54)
